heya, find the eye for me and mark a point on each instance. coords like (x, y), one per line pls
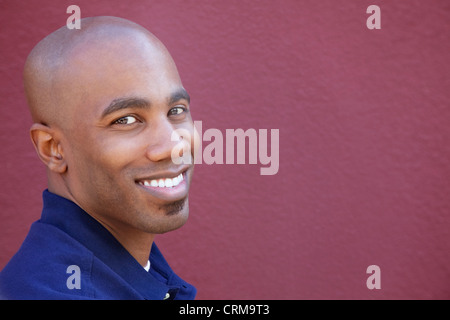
(176, 111)
(126, 120)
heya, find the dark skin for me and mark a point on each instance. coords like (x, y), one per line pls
(105, 101)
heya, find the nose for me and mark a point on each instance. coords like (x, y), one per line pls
(160, 145)
(164, 140)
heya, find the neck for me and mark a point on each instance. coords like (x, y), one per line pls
(137, 243)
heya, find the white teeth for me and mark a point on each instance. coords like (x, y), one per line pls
(164, 183)
(168, 183)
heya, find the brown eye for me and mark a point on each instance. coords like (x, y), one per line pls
(176, 111)
(126, 120)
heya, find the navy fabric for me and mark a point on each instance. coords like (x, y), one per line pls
(67, 236)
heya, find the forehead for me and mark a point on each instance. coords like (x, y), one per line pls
(121, 55)
(100, 70)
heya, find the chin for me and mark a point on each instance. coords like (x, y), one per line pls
(171, 217)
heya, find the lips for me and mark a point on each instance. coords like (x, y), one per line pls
(163, 183)
(166, 186)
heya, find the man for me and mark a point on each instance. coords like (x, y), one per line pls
(105, 102)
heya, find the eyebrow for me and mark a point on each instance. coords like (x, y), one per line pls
(142, 103)
(124, 103)
(180, 94)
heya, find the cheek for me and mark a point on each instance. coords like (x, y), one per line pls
(118, 152)
(105, 158)
(102, 174)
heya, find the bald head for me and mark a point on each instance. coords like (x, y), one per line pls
(106, 100)
(59, 71)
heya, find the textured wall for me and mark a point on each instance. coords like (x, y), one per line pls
(364, 120)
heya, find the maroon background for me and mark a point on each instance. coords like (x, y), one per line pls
(364, 120)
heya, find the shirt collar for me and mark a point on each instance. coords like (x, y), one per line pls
(74, 221)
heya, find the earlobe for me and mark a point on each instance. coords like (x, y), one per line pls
(48, 147)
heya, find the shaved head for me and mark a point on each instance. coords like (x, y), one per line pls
(53, 67)
(105, 101)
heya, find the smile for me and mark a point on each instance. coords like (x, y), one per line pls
(163, 183)
(165, 187)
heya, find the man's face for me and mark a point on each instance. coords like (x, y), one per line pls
(117, 142)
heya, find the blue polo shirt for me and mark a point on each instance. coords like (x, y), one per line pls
(67, 254)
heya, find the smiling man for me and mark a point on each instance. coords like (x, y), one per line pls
(105, 101)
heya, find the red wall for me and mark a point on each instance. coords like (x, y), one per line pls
(364, 120)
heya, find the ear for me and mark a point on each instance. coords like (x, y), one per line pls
(48, 147)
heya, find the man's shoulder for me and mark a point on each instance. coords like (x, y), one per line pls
(41, 267)
(52, 265)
